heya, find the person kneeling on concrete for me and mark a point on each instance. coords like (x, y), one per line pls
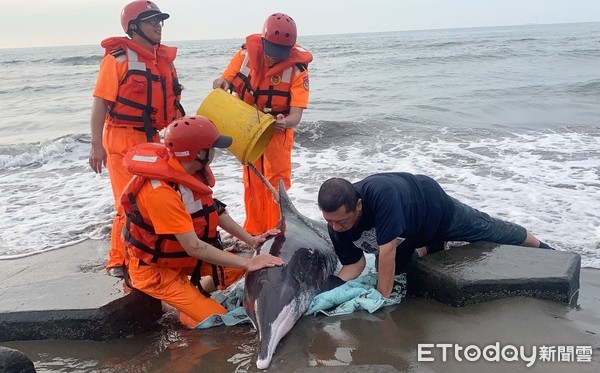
(172, 219)
(399, 215)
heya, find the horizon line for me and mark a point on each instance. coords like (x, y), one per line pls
(313, 35)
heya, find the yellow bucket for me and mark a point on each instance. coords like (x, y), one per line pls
(250, 128)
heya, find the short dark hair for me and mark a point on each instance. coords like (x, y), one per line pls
(335, 193)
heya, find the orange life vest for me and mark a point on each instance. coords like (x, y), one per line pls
(149, 161)
(149, 94)
(268, 88)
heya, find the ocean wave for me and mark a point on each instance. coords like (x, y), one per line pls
(70, 60)
(34, 88)
(583, 53)
(77, 60)
(14, 61)
(39, 153)
(321, 134)
(493, 169)
(446, 44)
(587, 88)
(213, 51)
(459, 56)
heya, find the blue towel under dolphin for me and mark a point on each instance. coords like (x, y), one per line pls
(230, 298)
(354, 295)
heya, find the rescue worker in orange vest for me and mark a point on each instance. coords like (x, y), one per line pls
(136, 95)
(172, 219)
(270, 71)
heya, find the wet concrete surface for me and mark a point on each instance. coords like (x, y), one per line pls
(65, 294)
(361, 341)
(483, 271)
(387, 338)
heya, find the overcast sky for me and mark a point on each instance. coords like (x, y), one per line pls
(28, 23)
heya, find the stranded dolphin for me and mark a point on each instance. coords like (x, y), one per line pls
(275, 298)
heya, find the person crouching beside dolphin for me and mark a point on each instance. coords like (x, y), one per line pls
(172, 219)
(398, 215)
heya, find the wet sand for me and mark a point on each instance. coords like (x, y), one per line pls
(385, 341)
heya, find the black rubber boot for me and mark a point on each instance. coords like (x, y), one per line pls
(544, 245)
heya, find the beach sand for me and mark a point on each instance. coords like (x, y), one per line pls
(385, 341)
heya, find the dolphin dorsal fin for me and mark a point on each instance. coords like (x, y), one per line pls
(285, 204)
(287, 208)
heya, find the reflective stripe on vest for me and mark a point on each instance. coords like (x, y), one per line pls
(132, 61)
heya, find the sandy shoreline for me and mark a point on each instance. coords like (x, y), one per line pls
(387, 340)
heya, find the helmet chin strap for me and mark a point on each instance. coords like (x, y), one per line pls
(138, 30)
(204, 160)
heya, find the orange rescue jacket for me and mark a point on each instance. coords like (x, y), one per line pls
(268, 89)
(148, 161)
(149, 94)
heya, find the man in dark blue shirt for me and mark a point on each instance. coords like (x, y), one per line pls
(394, 214)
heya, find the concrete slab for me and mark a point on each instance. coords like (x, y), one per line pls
(483, 271)
(66, 294)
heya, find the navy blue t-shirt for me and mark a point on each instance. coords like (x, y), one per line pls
(411, 209)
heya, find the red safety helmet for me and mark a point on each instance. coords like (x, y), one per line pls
(139, 10)
(280, 29)
(186, 136)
